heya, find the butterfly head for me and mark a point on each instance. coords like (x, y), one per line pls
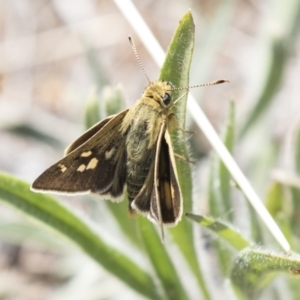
(160, 92)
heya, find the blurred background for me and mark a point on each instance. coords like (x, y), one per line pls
(57, 55)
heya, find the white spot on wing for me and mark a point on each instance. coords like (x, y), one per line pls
(86, 154)
(92, 164)
(81, 168)
(109, 153)
(63, 168)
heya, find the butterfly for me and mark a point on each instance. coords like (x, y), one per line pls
(130, 149)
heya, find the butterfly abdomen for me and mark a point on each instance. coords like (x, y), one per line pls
(136, 180)
(139, 159)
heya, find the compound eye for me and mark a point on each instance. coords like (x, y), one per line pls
(166, 99)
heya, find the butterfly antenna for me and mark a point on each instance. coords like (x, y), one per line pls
(195, 86)
(219, 81)
(137, 56)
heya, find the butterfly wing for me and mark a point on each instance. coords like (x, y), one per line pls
(96, 162)
(88, 134)
(160, 197)
(141, 202)
(166, 198)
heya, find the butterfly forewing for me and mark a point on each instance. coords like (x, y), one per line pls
(88, 134)
(93, 163)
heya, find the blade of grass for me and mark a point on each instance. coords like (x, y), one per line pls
(279, 45)
(224, 231)
(52, 213)
(161, 261)
(127, 224)
(280, 209)
(219, 182)
(224, 175)
(297, 150)
(219, 191)
(92, 110)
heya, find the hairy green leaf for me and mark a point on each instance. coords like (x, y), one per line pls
(52, 213)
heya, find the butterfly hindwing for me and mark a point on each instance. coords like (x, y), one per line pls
(166, 199)
(160, 197)
(96, 162)
(142, 201)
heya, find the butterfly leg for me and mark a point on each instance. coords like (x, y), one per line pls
(184, 158)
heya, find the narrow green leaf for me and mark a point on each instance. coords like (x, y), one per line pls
(95, 67)
(295, 220)
(113, 99)
(297, 151)
(109, 103)
(224, 175)
(257, 227)
(280, 208)
(176, 70)
(278, 45)
(17, 232)
(288, 208)
(49, 211)
(161, 261)
(223, 230)
(215, 200)
(224, 255)
(274, 73)
(219, 197)
(128, 225)
(92, 110)
(274, 199)
(27, 130)
(255, 268)
(220, 179)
